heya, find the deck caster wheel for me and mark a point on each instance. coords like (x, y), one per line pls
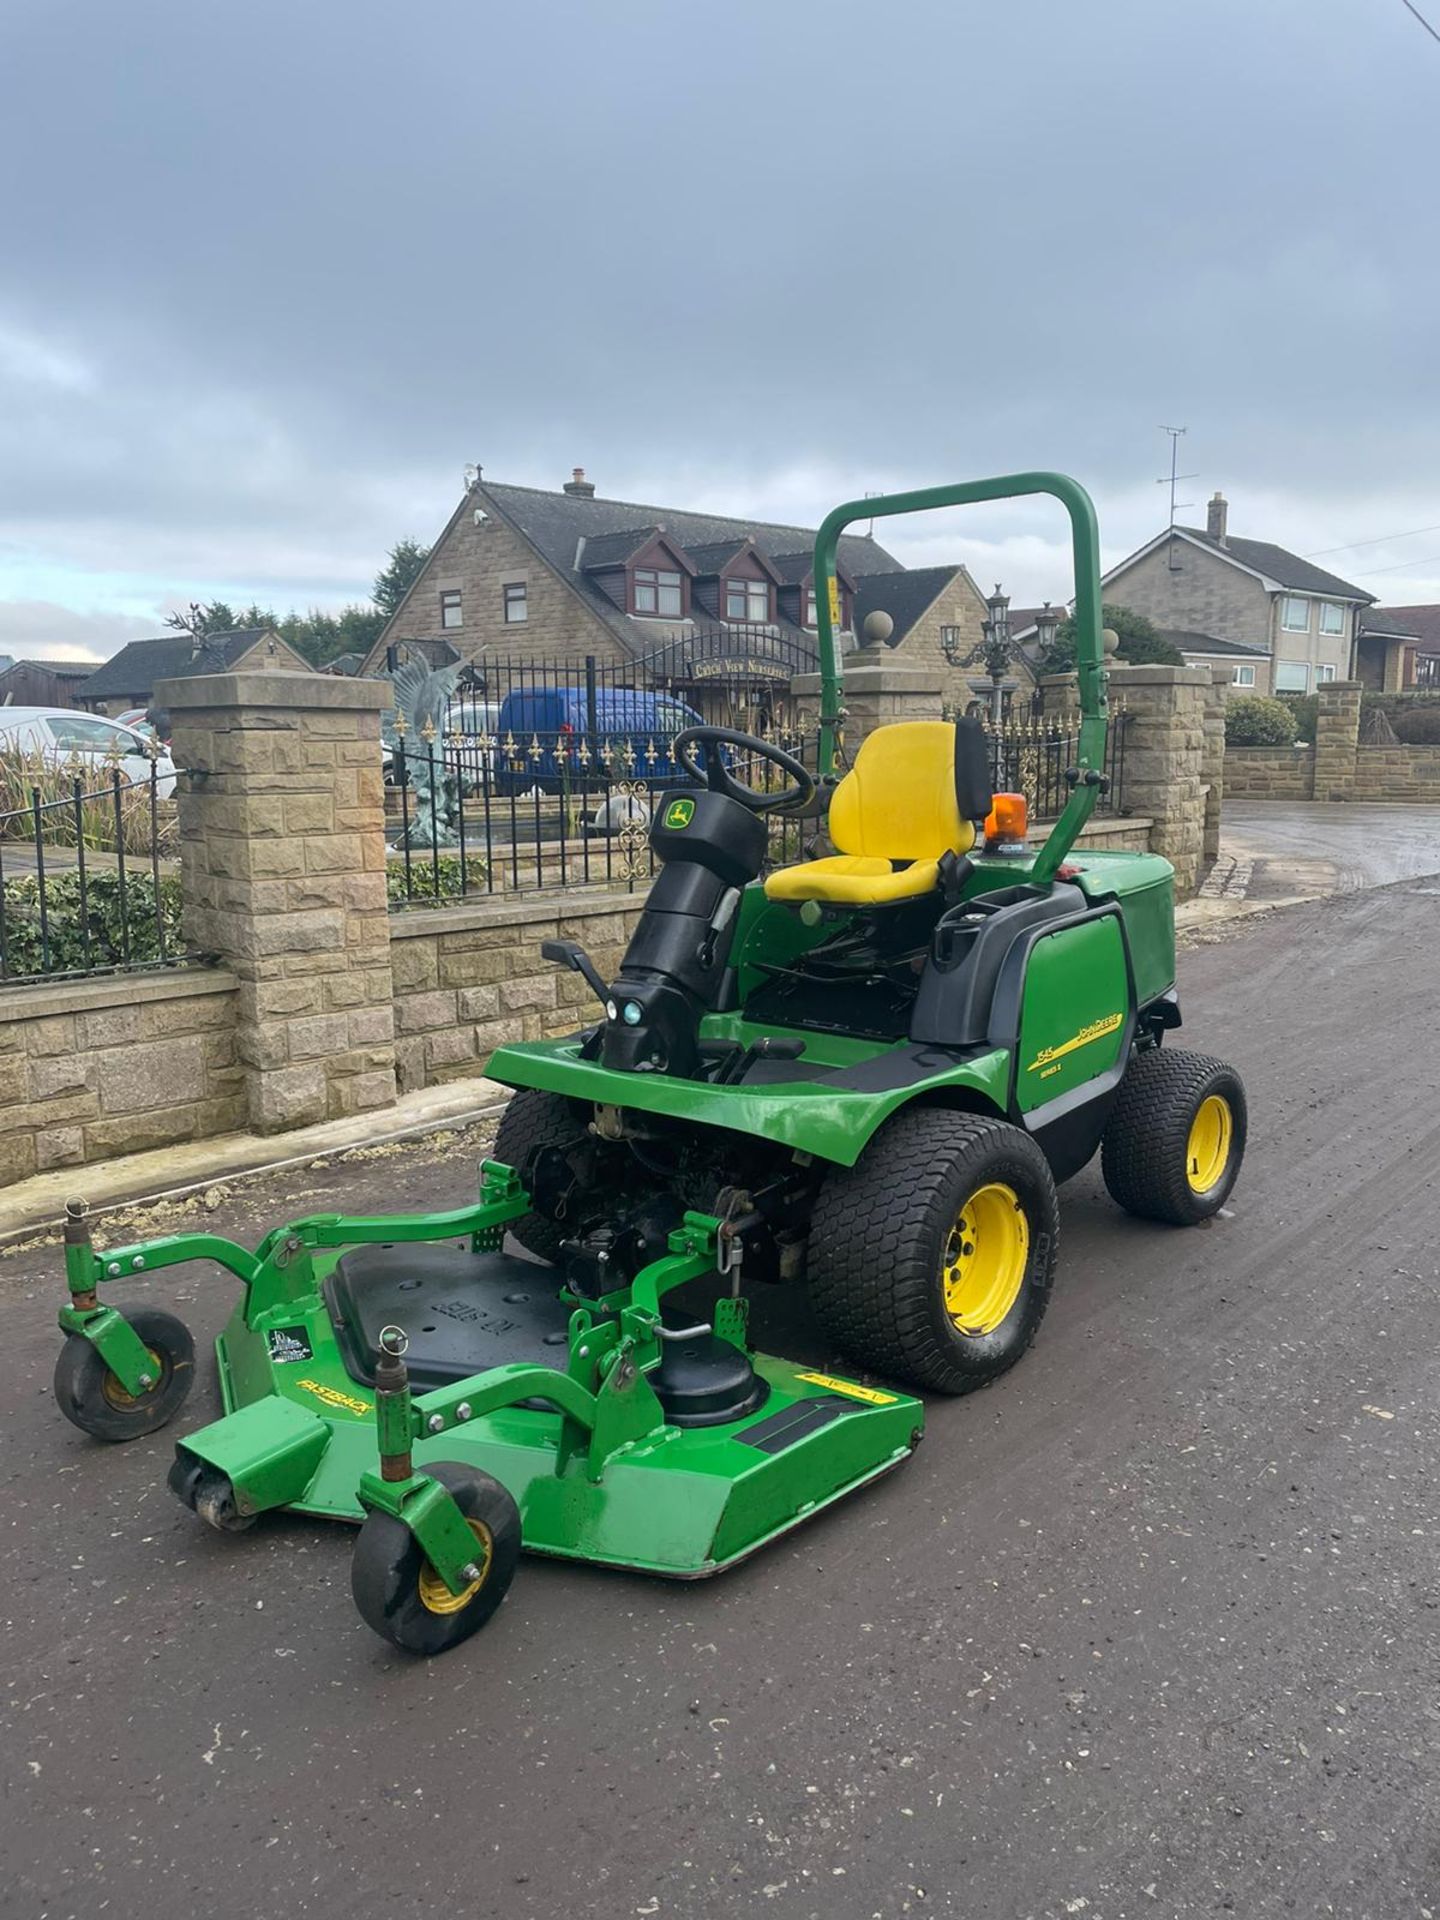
(399, 1593)
(91, 1398)
(216, 1504)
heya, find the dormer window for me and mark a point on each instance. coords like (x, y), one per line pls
(812, 611)
(659, 591)
(747, 600)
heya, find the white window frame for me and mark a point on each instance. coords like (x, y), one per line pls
(664, 589)
(1325, 673)
(1238, 676)
(751, 593)
(1335, 607)
(812, 608)
(1287, 625)
(450, 603)
(1302, 667)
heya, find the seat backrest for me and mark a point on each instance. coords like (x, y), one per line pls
(909, 794)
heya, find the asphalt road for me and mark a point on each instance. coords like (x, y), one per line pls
(1275, 850)
(1148, 1629)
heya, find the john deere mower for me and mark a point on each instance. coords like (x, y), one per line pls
(865, 1071)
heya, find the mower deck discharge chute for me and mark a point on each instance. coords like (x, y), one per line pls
(868, 1070)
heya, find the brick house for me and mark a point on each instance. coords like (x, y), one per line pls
(521, 573)
(1399, 647)
(127, 679)
(1298, 625)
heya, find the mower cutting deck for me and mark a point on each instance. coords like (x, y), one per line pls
(868, 1070)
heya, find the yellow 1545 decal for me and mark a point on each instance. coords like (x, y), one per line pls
(1047, 1059)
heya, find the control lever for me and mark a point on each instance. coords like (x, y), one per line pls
(736, 1068)
(569, 953)
(719, 921)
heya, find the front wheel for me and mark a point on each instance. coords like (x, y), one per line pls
(400, 1594)
(1175, 1137)
(932, 1259)
(91, 1398)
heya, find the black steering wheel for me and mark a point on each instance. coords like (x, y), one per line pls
(715, 775)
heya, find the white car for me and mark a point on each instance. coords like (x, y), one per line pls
(63, 737)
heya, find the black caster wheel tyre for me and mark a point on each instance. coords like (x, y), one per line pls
(91, 1398)
(399, 1593)
(1175, 1137)
(932, 1258)
(534, 1119)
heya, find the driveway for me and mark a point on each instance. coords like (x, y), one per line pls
(1148, 1629)
(1278, 850)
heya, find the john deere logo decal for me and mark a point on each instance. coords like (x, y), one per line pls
(679, 814)
(1047, 1059)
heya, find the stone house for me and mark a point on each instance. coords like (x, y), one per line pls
(1399, 647)
(523, 574)
(1297, 626)
(128, 678)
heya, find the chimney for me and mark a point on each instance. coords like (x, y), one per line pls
(578, 487)
(1215, 516)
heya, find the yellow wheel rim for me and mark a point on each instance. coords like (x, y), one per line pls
(436, 1597)
(122, 1401)
(1207, 1153)
(985, 1258)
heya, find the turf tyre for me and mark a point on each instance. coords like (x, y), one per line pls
(879, 1233)
(389, 1574)
(531, 1120)
(1143, 1156)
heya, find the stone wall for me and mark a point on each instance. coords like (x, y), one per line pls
(470, 978)
(1165, 759)
(1269, 773)
(94, 1068)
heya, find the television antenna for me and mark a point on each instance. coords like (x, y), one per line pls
(1172, 480)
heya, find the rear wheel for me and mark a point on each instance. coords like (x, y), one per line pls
(531, 1120)
(932, 1259)
(401, 1595)
(1175, 1137)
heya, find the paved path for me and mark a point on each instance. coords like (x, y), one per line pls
(1149, 1629)
(1280, 850)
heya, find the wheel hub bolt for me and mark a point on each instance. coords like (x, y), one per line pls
(470, 1571)
(147, 1379)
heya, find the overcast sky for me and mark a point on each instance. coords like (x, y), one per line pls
(271, 274)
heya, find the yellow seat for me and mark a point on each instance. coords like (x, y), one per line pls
(893, 816)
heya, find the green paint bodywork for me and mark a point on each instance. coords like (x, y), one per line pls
(597, 1472)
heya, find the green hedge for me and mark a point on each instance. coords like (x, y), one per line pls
(65, 950)
(1253, 720)
(423, 879)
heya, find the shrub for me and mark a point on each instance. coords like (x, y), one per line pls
(73, 944)
(1252, 720)
(423, 880)
(1417, 724)
(1304, 706)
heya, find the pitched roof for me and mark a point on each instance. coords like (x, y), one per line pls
(555, 524)
(1278, 564)
(904, 595)
(140, 663)
(1190, 642)
(62, 669)
(1409, 623)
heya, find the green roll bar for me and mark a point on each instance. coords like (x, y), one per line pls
(1089, 647)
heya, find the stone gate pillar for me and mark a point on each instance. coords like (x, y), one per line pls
(1164, 758)
(281, 805)
(1337, 735)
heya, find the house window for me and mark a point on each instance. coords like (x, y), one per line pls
(658, 591)
(747, 600)
(812, 611)
(1292, 676)
(1295, 614)
(1324, 674)
(516, 606)
(450, 614)
(1332, 617)
(1242, 676)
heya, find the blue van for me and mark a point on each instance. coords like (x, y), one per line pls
(549, 725)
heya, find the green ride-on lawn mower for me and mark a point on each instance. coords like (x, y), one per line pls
(868, 1069)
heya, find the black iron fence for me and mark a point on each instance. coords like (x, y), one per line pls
(1032, 753)
(88, 879)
